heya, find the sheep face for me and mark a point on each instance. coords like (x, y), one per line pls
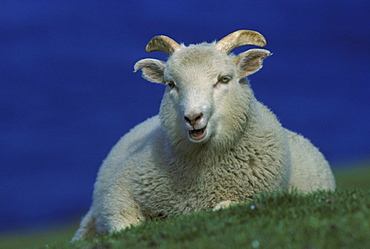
(199, 80)
(206, 97)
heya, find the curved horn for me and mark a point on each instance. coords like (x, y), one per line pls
(240, 38)
(162, 43)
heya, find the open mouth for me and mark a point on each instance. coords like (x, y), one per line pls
(198, 134)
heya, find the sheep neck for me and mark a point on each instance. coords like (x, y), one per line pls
(199, 157)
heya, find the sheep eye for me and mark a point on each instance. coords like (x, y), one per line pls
(170, 84)
(224, 79)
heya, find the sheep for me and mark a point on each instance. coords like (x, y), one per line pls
(211, 145)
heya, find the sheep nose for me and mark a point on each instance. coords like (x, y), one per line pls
(193, 119)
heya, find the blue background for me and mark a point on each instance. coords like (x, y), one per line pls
(68, 91)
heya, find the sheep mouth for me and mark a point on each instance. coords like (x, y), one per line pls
(198, 134)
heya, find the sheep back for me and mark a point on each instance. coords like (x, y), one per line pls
(310, 170)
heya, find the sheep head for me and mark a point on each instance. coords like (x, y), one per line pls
(206, 95)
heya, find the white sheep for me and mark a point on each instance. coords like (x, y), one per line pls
(212, 143)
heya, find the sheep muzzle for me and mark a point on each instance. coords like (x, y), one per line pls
(198, 134)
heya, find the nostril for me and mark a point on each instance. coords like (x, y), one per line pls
(187, 119)
(193, 118)
(199, 117)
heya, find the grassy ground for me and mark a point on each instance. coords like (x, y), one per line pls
(38, 238)
(353, 178)
(321, 220)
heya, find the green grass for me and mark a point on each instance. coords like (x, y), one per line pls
(321, 220)
(37, 238)
(340, 219)
(357, 177)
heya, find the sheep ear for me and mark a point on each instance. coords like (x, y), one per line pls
(153, 70)
(250, 61)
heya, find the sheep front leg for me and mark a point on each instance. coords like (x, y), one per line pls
(117, 216)
(87, 227)
(223, 204)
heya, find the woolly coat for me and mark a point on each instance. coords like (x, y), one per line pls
(142, 178)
